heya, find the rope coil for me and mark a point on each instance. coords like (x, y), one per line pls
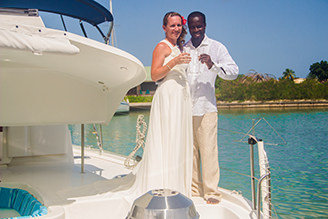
(140, 141)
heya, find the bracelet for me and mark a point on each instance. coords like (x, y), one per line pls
(169, 67)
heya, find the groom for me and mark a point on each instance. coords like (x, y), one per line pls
(210, 59)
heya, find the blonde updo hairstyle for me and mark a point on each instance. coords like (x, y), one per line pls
(181, 39)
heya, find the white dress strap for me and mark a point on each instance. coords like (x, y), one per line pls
(174, 52)
(168, 43)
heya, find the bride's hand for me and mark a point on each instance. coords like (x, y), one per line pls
(183, 58)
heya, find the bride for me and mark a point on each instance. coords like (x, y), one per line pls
(167, 159)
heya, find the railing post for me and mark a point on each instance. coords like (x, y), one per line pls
(252, 176)
(82, 148)
(252, 167)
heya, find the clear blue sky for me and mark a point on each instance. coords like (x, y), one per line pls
(265, 35)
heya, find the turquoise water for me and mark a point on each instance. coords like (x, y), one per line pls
(299, 167)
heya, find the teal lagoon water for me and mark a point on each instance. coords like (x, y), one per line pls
(299, 166)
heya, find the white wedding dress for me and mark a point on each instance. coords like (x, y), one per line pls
(167, 158)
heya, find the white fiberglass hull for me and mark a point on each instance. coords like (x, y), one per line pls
(43, 88)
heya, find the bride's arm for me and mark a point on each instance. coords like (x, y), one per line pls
(158, 71)
(161, 51)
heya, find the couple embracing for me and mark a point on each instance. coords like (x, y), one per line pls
(183, 118)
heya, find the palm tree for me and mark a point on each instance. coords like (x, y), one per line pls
(257, 77)
(289, 74)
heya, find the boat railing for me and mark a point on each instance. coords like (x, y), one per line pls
(266, 194)
(266, 212)
(99, 142)
(105, 37)
(263, 191)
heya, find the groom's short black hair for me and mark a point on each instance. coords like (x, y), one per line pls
(197, 14)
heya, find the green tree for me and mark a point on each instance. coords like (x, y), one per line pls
(319, 71)
(289, 74)
(285, 89)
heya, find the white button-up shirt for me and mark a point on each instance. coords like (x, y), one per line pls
(201, 79)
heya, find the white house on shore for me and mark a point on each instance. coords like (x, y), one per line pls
(299, 80)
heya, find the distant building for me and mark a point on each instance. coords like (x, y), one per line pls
(299, 80)
(148, 87)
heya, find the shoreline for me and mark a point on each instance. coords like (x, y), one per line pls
(250, 104)
(274, 104)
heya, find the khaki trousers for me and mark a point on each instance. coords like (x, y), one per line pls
(206, 178)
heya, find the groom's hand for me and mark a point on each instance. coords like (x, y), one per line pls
(204, 58)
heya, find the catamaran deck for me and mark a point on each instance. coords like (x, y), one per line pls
(51, 180)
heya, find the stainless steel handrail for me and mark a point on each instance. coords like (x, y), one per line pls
(259, 194)
(82, 148)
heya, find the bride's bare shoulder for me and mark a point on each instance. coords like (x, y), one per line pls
(163, 48)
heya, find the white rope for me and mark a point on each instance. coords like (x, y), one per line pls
(140, 141)
(100, 146)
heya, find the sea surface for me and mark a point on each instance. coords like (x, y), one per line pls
(296, 142)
